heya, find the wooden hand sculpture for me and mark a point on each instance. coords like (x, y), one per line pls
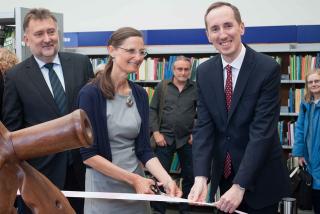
(39, 194)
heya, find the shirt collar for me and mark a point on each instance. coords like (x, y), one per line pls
(56, 60)
(238, 61)
(316, 101)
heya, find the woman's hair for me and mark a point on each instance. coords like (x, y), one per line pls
(103, 80)
(308, 95)
(7, 60)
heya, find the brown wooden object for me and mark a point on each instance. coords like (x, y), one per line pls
(40, 195)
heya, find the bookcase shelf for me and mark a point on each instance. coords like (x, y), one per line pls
(289, 114)
(286, 147)
(204, 49)
(292, 81)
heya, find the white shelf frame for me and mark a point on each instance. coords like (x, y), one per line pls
(204, 49)
(292, 114)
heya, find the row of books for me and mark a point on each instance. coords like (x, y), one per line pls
(161, 68)
(175, 165)
(294, 99)
(7, 37)
(97, 61)
(150, 92)
(155, 68)
(300, 65)
(286, 132)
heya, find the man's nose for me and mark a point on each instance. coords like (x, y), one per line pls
(46, 37)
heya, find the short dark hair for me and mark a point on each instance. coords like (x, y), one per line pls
(218, 4)
(182, 58)
(37, 14)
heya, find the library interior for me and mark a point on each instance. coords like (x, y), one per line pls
(213, 105)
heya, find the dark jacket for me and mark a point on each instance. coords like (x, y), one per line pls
(27, 101)
(248, 131)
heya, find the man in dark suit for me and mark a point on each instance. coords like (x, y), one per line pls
(235, 139)
(45, 87)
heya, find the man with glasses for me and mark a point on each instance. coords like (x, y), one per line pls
(175, 101)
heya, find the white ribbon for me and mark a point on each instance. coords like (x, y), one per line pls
(133, 197)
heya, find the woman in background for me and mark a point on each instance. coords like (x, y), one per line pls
(307, 134)
(119, 113)
(7, 60)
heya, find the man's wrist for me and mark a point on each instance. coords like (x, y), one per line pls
(240, 187)
(201, 179)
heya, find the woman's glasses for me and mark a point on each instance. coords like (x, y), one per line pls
(133, 52)
(313, 81)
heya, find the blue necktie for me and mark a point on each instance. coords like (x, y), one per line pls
(57, 89)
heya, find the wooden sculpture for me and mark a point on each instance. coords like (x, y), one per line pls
(39, 194)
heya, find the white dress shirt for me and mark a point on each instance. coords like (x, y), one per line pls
(56, 67)
(236, 65)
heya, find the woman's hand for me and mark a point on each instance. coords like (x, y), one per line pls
(142, 185)
(302, 162)
(172, 189)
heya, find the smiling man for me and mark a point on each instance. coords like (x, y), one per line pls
(235, 141)
(44, 87)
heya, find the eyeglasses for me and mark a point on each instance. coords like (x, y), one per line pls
(132, 51)
(313, 81)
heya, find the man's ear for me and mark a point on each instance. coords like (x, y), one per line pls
(242, 28)
(25, 39)
(208, 36)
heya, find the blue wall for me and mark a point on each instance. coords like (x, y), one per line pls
(266, 34)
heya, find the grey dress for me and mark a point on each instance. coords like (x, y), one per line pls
(123, 127)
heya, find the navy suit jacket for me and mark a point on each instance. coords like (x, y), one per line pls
(248, 131)
(27, 101)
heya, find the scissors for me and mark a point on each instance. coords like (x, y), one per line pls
(155, 188)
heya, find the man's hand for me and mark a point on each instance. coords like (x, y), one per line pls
(190, 139)
(230, 200)
(172, 189)
(159, 138)
(198, 192)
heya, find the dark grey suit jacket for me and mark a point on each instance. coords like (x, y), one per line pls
(27, 101)
(248, 131)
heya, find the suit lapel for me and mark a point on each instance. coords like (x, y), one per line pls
(37, 79)
(219, 86)
(67, 69)
(244, 74)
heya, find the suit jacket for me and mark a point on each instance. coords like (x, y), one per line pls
(27, 101)
(248, 131)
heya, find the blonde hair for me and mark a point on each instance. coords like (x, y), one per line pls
(308, 95)
(7, 60)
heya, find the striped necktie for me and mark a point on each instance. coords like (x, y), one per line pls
(57, 89)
